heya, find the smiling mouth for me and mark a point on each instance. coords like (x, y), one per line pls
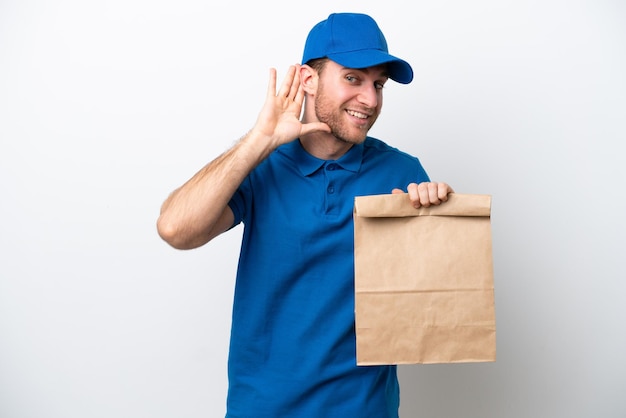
(358, 115)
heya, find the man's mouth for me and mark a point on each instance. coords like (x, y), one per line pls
(357, 114)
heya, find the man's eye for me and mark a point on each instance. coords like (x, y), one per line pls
(379, 86)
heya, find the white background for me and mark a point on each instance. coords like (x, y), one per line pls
(106, 107)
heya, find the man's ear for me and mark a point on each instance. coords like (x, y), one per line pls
(308, 79)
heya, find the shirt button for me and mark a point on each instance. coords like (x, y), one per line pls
(331, 189)
(331, 167)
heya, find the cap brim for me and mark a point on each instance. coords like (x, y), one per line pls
(399, 70)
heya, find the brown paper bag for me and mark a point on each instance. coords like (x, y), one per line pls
(423, 280)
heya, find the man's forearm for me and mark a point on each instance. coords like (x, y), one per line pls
(197, 211)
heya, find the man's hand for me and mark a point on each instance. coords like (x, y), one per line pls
(279, 118)
(427, 193)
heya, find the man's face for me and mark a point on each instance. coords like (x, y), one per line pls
(349, 100)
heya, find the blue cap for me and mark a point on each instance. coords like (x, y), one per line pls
(354, 40)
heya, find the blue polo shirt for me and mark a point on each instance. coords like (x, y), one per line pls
(293, 346)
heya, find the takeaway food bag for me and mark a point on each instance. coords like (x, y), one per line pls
(424, 288)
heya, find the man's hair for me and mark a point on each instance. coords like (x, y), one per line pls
(318, 64)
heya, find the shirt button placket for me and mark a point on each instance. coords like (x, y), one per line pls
(331, 203)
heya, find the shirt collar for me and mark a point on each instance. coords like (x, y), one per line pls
(309, 164)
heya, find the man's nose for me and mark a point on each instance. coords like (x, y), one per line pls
(368, 96)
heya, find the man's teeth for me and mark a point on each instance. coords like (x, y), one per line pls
(357, 114)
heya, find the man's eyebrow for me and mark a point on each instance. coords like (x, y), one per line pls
(383, 73)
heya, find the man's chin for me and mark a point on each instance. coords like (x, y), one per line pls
(352, 138)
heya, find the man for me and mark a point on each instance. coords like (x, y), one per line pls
(292, 182)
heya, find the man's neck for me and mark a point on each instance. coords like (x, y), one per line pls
(324, 146)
